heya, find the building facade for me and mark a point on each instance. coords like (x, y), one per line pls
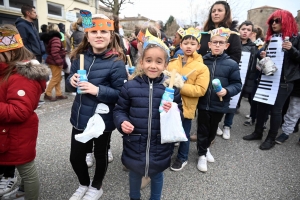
(49, 11)
(129, 23)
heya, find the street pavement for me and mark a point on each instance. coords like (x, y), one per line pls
(241, 169)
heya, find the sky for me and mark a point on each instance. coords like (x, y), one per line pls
(181, 9)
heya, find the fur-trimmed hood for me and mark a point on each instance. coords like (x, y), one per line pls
(33, 70)
(48, 36)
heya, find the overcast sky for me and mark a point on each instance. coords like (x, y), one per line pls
(162, 9)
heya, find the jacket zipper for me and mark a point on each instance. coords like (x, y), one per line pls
(212, 75)
(81, 94)
(149, 127)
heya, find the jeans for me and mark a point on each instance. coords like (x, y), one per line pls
(228, 119)
(135, 181)
(30, 180)
(284, 91)
(78, 155)
(208, 122)
(184, 147)
(292, 116)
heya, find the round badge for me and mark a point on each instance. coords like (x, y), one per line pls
(21, 93)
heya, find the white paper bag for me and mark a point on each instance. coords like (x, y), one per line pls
(171, 126)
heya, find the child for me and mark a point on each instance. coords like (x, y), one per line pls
(245, 30)
(137, 117)
(176, 50)
(104, 63)
(195, 87)
(21, 84)
(210, 107)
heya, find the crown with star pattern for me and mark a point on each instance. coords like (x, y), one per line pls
(9, 40)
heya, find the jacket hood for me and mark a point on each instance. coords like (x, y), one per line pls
(249, 43)
(33, 70)
(48, 36)
(22, 20)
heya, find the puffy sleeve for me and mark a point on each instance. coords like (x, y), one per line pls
(235, 84)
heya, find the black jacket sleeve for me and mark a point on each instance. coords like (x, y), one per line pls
(235, 49)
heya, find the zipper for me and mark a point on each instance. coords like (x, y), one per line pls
(149, 127)
(210, 86)
(81, 94)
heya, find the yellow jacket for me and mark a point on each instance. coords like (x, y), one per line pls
(196, 84)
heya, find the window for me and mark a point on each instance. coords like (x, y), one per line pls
(84, 1)
(1, 2)
(19, 3)
(55, 10)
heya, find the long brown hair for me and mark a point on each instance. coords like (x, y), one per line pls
(12, 57)
(227, 21)
(112, 46)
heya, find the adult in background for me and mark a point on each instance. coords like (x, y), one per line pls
(281, 23)
(77, 35)
(220, 16)
(159, 24)
(28, 31)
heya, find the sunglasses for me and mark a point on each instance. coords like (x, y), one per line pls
(277, 21)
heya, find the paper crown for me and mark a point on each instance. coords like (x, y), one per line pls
(223, 32)
(193, 32)
(180, 31)
(9, 40)
(90, 24)
(150, 39)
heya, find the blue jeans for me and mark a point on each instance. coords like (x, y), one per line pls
(135, 181)
(228, 119)
(184, 147)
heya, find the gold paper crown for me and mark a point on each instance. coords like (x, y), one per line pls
(150, 39)
(193, 32)
(223, 32)
(180, 31)
(9, 40)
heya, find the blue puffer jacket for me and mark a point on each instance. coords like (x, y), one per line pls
(139, 104)
(227, 70)
(109, 75)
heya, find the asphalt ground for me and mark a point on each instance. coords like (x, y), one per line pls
(241, 169)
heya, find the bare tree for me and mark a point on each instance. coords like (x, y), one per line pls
(115, 5)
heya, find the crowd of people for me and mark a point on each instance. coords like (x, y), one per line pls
(207, 60)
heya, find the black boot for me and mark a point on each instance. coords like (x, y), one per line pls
(256, 135)
(269, 142)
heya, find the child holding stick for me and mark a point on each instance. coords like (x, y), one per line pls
(194, 87)
(105, 67)
(137, 117)
(210, 108)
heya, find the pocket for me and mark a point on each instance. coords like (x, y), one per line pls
(4, 140)
(131, 143)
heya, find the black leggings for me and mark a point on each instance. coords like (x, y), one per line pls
(78, 155)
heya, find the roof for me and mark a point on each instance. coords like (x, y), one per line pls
(265, 7)
(138, 18)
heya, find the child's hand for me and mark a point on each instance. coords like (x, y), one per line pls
(263, 54)
(167, 106)
(127, 127)
(74, 80)
(88, 87)
(222, 93)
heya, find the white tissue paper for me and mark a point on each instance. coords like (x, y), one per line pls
(95, 125)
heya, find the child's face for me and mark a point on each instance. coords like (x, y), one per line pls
(99, 40)
(245, 32)
(177, 39)
(154, 62)
(218, 44)
(189, 46)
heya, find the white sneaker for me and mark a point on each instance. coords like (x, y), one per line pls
(176, 144)
(93, 194)
(7, 184)
(79, 193)
(209, 157)
(14, 194)
(202, 164)
(89, 159)
(226, 133)
(247, 116)
(110, 156)
(219, 131)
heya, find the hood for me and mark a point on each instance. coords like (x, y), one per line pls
(22, 20)
(249, 43)
(48, 36)
(33, 70)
